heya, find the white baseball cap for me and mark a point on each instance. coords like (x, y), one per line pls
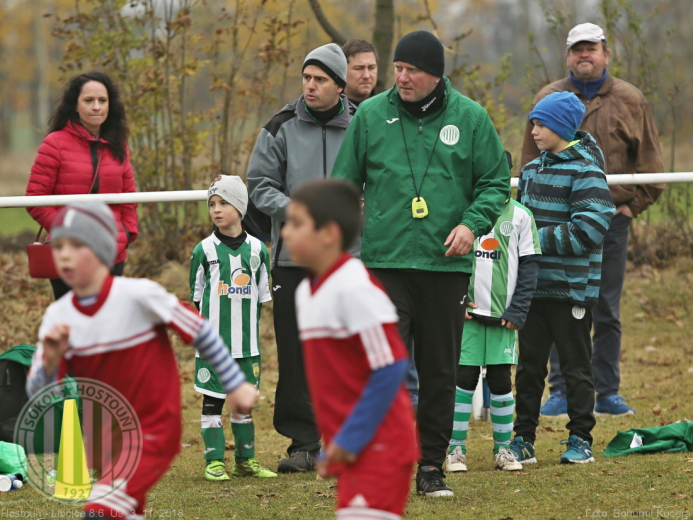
(585, 32)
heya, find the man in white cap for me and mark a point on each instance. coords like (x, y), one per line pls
(298, 144)
(621, 121)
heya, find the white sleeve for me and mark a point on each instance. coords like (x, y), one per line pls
(528, 239)
(365, 307)
(154, 301)
(199, 288)
(365, 310)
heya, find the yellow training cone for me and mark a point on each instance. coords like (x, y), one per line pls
(72, 481)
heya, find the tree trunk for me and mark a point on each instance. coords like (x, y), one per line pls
(382, 40)
(333, 33)
(42, 67)
(382, 35)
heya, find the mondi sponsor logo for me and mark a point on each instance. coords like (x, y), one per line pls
(239, 288)
(489, 245)
(77, 432)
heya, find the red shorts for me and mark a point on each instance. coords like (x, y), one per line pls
(369, 490)
(128, 501)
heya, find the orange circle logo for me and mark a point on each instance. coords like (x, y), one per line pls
(241, 279)
(490, 244)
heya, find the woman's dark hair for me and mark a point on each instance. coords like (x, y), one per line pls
(114, 129)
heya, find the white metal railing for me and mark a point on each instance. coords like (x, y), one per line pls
(199, 195)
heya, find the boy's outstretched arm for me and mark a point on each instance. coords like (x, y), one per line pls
(370, 410)
(44, 366)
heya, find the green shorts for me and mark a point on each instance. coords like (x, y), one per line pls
(483, 345)
(207, 382)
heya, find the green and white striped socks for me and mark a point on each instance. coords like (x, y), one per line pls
(502, 410)
(460, 425)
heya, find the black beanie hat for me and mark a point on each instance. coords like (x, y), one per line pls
(423, 50)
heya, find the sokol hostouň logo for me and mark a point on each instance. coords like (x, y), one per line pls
(82, 439)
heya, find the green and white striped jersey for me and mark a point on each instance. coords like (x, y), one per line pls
(231, 287)
(496, 259)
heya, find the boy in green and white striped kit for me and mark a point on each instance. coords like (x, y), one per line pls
(504, 277)
(229, 282)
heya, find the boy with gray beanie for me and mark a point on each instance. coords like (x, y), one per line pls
(113, 330)
(229, 282)
(565, 188)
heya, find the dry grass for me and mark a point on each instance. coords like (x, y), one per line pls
(657, 366)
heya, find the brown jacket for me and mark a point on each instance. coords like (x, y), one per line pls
(621, 121)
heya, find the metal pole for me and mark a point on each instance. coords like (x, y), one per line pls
(200, 195)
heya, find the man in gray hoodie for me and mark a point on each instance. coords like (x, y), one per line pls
(298, 144)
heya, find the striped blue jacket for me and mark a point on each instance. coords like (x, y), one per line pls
(568, 195)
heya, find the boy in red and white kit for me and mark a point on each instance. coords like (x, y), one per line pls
(354, 357)
(113, 329)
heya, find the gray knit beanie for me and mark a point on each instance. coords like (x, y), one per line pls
(331, 59)
(232, 189)
(89, 222)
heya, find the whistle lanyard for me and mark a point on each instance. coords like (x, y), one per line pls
(442, 120)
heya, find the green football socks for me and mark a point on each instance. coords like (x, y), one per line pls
(502, 410)
(463, 410)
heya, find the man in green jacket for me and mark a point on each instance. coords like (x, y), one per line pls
(435, 176)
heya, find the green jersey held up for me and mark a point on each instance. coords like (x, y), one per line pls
(496, 259)
(231, 287)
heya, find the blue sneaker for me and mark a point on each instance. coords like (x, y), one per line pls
(523, 451)
(578, 452)
(555, 406)
(612, 406)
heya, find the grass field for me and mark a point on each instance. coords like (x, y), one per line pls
(657, 366)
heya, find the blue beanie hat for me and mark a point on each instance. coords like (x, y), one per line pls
(561, 112)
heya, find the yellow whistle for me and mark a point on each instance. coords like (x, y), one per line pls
(419, 209)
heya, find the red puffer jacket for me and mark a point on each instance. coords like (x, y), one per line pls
(63, 166)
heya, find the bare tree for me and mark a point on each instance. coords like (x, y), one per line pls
(382, 39)
(330, 29)
(42, 67)
(382, 34)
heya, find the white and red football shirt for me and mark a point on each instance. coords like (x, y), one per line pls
(122, 341)
(348, 327)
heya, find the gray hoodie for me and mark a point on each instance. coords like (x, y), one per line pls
(291, 149)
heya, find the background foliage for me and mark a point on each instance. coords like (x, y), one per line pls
(200, 77)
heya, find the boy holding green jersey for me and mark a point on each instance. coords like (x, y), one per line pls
(229, 282)
(504, 277)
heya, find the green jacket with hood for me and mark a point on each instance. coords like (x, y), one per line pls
(468, 178)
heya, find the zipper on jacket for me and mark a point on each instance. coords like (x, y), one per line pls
(418, 169)
(324, 151)
(94, 150)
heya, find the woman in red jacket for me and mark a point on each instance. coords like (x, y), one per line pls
(86, 151)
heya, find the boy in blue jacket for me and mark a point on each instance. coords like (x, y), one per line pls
(565, 188)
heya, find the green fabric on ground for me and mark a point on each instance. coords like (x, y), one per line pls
(12, 459)
(672, 438)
